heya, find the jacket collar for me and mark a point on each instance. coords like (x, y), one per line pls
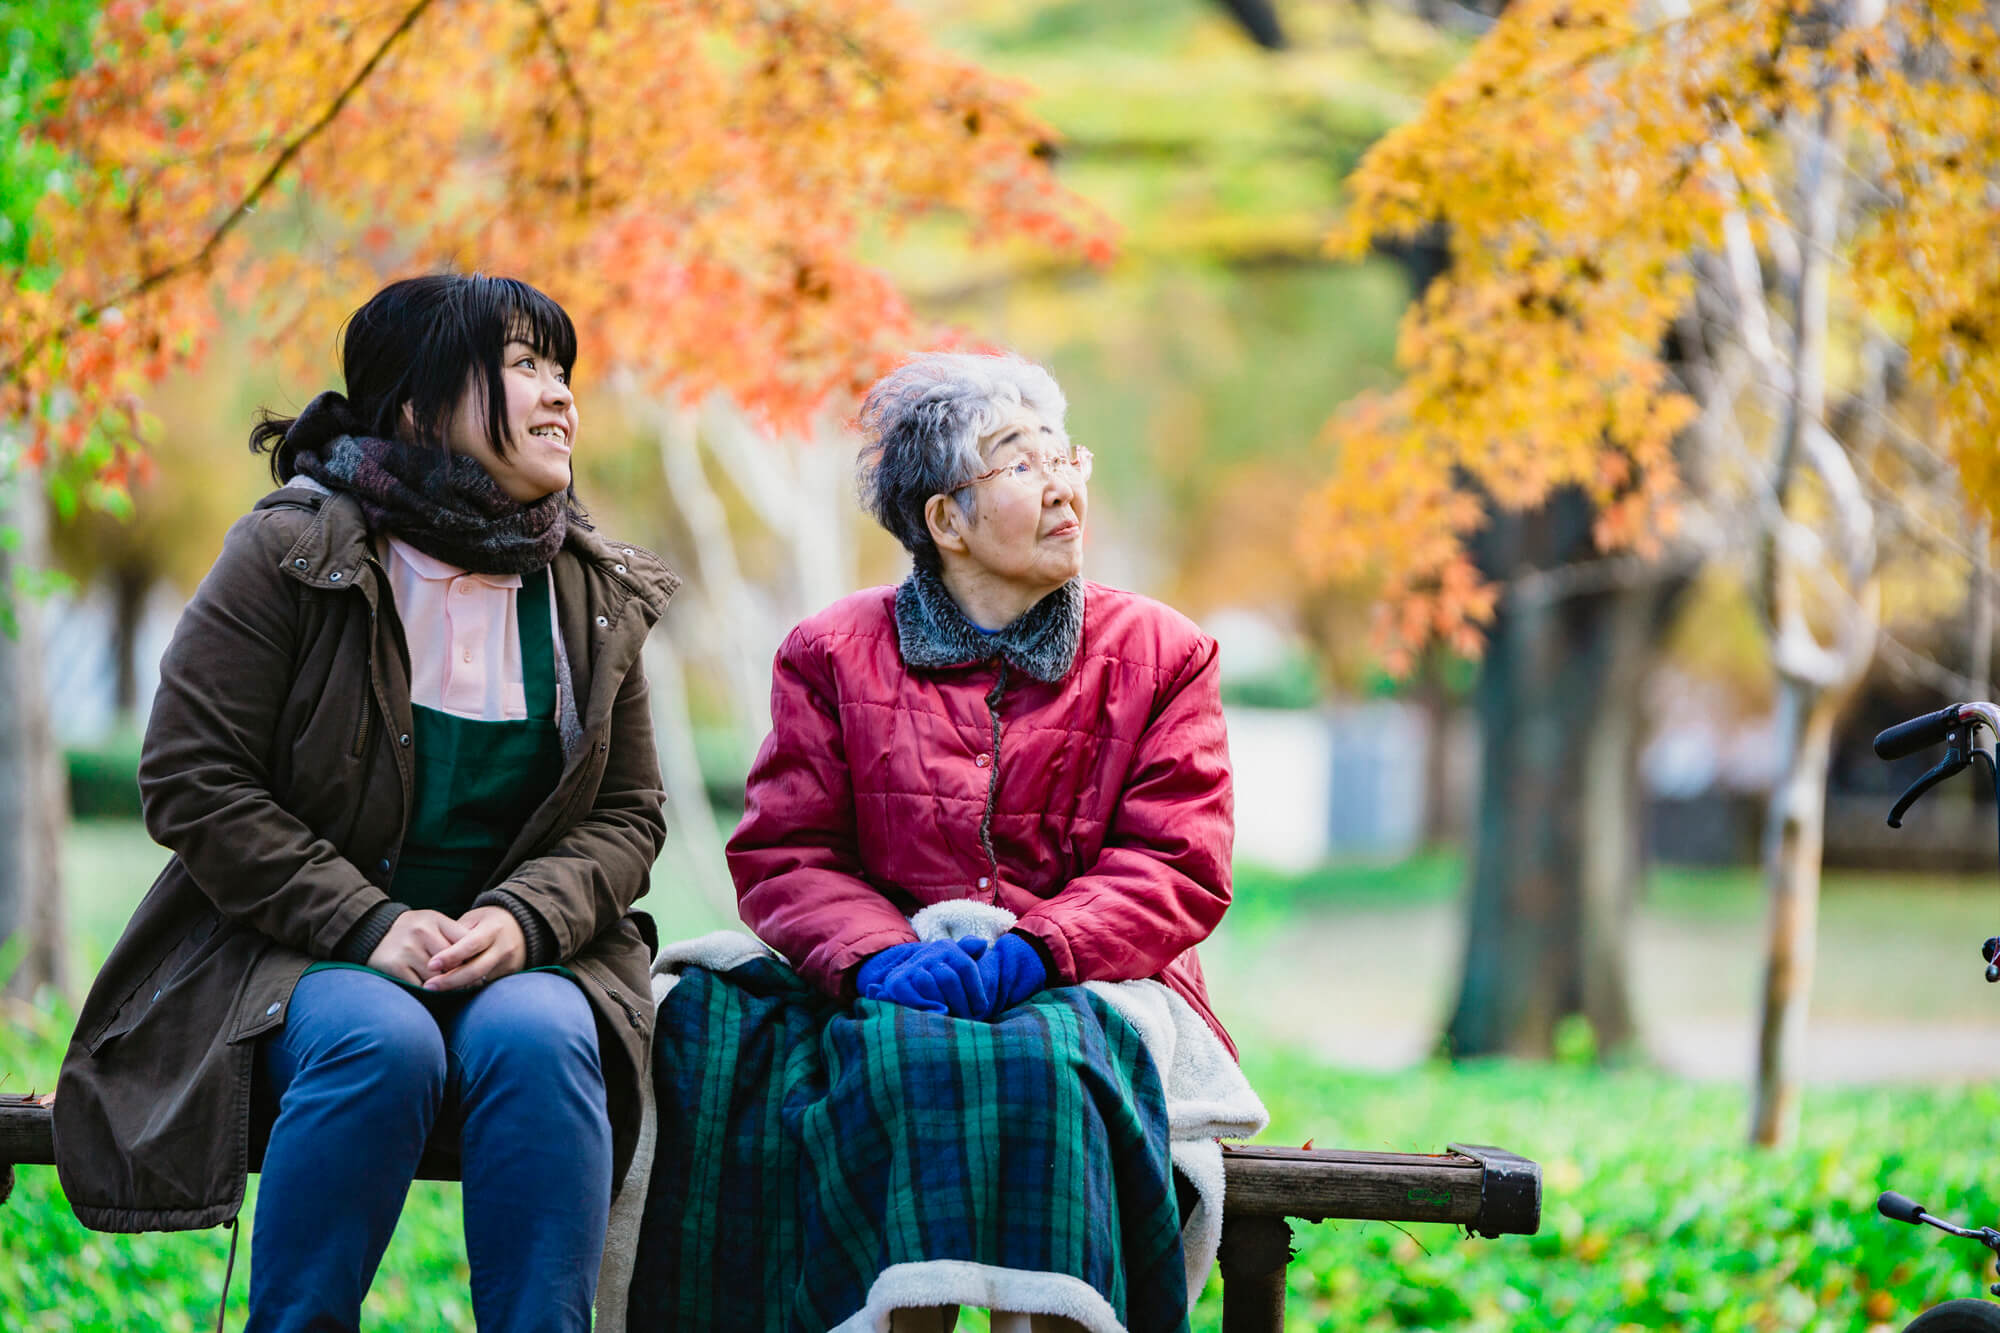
(333, 552)
(932, 632)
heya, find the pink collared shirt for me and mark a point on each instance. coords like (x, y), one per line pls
(465, 647)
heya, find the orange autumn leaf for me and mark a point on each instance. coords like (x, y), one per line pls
(691, 178)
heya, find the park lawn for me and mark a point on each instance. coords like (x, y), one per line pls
(1655, 1215)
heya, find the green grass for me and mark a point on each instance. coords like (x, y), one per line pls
(1656, 1216)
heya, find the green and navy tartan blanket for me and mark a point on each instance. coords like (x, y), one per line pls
(821, 1163)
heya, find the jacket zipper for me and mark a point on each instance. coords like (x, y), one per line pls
(367, 710)
(993, 697)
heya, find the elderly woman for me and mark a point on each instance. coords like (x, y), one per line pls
(1033, 767)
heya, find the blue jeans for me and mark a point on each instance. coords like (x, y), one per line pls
(361, 1073)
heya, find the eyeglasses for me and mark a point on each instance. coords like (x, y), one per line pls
(1041, 466)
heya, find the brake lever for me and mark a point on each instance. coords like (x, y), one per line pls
(1957, 757)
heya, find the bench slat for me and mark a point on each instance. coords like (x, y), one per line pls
(1310, 1184)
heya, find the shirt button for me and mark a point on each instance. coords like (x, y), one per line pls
(985, 882)
(465, 588)
(385, 865)
(468, 654)
(985, 759)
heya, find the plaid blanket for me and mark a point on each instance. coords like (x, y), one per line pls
(814, 1154)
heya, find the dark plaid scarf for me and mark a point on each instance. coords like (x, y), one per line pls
(444, 504)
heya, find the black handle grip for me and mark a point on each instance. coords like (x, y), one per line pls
(1898, 1207)
(1916, 734)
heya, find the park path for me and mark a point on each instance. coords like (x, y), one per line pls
(1370, 990)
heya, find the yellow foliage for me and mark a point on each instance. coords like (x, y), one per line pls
(1581, 163)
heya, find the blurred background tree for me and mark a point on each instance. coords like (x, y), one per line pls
(41, 45)
(1713, 273)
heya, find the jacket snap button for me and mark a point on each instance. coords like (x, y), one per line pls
(627, 550)
(298, 564)
(985, 759)
(403, 739)
(157, 994)
(272, 1010)
(333, 577)
(602, 622)
(385, 865)
(985, 882)
(619, 568)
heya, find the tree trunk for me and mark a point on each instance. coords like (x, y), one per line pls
(32, 786)
(693, 822)
(1792, 838)
(129, 586)
(1558, 859)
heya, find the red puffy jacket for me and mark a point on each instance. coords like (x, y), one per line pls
(1112, 813)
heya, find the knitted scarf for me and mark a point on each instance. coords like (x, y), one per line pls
(444, 504)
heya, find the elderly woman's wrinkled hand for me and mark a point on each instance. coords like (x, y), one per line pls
(939, 977)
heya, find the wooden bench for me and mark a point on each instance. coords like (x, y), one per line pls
(1485, 1190)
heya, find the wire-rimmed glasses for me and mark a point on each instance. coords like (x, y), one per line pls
(1041, 466)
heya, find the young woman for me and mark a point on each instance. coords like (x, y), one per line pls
(402, 755)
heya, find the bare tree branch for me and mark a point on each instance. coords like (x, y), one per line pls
(547, 24)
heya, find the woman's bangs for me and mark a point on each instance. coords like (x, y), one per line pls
(534, 319)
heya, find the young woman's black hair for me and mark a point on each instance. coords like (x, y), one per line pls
(415, 344)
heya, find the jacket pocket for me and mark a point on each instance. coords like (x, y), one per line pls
(200, 941)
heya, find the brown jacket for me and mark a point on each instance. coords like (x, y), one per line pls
(277, 769)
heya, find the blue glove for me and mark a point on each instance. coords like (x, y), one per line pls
(875, 968)
(941, 977)
(1013, 971)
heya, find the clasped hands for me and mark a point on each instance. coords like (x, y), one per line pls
(441, 953)
(968, 978)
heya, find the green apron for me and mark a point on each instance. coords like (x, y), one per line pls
(477, 782)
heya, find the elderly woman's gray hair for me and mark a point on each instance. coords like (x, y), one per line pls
(923, 422)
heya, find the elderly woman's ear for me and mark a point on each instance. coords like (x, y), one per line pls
(947, 521)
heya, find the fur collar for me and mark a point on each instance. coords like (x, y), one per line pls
(932, 632)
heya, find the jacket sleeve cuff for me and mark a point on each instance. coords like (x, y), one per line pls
(541, 941)
(358, 945)
(1055, 978)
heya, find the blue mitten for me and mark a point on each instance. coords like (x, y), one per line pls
(875, 968)
(1013, 971)
(941, 977)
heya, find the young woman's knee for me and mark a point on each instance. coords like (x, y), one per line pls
(534, 1020)
(367, 1028)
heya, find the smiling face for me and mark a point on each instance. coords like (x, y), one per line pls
(1024, 536)
(541, 423)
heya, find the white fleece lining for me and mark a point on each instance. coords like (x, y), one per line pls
(958, 1282)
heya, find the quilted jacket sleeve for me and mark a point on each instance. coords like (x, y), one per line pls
(798, 873)
(1161, 882)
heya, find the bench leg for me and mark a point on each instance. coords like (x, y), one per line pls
(1254, 1253)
